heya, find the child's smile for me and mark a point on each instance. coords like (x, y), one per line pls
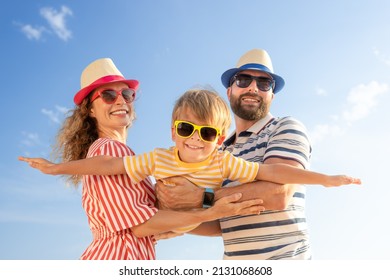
(192, 149)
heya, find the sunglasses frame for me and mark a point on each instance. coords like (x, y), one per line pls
(197, 128)
(257, 79)
(98, 94)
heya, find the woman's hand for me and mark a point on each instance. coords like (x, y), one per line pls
(167, 235)
(228, 206)
(41, 164)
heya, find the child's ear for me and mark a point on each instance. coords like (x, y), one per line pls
(221, 139)
(173, 133)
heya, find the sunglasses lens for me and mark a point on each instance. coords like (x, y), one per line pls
(243, 81)
(208, 133)
(109, 96)
(262, 83)
(184, 129)
(128, 95)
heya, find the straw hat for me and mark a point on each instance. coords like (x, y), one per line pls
(98, 73)
(255, 59)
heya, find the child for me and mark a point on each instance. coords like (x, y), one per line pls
(200, 121)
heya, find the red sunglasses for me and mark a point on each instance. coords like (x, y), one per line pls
(109, 96)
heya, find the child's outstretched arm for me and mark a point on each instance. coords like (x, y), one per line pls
(99, 165)
(287, 174)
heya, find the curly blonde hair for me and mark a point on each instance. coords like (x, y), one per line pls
(207, 106)
(76, 135)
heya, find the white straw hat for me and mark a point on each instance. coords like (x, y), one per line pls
(98, 73)
(255, 59)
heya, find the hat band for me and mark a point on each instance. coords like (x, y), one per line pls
(108, 79)
(255, 66)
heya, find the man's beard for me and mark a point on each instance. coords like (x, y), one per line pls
(253, 113)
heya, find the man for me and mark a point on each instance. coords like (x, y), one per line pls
(276, 234)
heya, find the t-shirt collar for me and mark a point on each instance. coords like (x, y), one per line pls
(255, 128)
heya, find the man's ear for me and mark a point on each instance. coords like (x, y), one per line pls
(221, 139)
(229, 92)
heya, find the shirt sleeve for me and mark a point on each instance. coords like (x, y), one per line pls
(289, 141)
(238, 169)
(140, 166)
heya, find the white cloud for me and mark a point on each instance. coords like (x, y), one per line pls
(62, 110)
(53, 116)
(56, 115)
(322, 131)
(56, 20)
(33, 33)
(30, 139)
(362, 100)
(382, 57)
(321, 91)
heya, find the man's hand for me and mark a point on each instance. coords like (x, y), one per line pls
(178, 194)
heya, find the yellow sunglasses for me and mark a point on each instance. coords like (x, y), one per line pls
(206, 132)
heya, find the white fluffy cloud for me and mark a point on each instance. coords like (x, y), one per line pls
(30, 139)
(362, 100)
(381, 56)
(322, 131)
(32, 33)
(56, 115)
(321, 92)
(56, 21)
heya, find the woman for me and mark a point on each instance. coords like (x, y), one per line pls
(122, 215)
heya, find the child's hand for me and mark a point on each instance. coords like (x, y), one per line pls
(41, 164)
(338, 180)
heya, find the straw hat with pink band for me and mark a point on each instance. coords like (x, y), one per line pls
(100, 72)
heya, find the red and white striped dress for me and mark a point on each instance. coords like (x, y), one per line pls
(113, 205)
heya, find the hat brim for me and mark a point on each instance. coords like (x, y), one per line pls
(83, 93)
(228, 74)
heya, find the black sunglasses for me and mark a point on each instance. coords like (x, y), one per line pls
(244, 80)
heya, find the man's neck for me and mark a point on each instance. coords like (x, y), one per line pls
(242, 125)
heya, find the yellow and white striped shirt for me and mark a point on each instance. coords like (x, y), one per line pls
(163, 163)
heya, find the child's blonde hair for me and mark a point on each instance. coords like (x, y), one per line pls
(207, 106)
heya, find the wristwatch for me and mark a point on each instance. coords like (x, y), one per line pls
(208, 198)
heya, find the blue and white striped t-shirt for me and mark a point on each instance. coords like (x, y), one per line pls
(272, 235)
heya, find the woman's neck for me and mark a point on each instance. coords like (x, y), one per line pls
(120, 136)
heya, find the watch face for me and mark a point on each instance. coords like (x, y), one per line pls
(208, 199)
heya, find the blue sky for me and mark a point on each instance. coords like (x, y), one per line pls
(334, 56)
